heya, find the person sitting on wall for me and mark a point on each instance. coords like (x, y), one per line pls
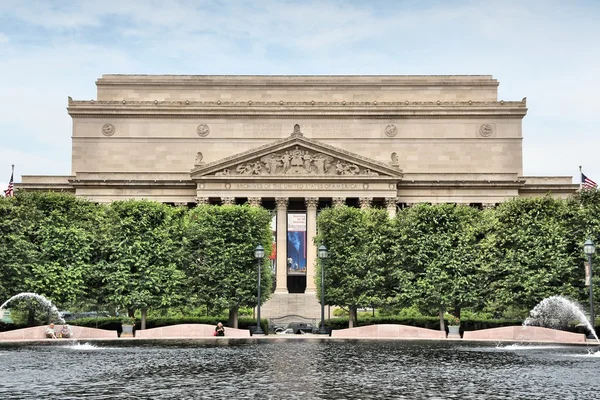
(65, 332)
(220, 330)
(50, 332)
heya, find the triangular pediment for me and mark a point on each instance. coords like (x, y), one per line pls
(296, 156)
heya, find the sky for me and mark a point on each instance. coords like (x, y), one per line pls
(547, 51)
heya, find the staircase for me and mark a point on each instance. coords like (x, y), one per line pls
(282, 304)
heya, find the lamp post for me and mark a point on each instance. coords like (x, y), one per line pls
(322, 256)
(259, 254)
(589, 249)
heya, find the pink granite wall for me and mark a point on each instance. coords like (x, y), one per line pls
(525, 334)
(188, 331)
(39, 332)
(388, 331)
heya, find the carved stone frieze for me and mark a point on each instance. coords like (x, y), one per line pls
(365, 202)
(311, 202)
(254, 201)
(202, 201)
(203, 130)
(282, 202)
(228, 200)
(338, 201)
(108, 129)
(297, 161)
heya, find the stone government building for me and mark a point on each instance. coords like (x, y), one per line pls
(296, 144)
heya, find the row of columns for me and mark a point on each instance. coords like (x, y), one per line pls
(311, 204)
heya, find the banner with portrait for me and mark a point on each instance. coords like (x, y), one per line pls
(296, 244)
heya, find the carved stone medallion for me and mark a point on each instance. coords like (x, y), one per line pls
(486, 130)
(108, 129)
(391, 130)
(203, 130)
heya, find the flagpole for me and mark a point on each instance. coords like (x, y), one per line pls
(580, 178)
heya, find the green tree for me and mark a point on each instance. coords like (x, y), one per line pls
(438, 258)
(356, 271)
(65, 238)
(144, 256)
(584, 223)
(528, 253)
(222, 270)
(18, 251)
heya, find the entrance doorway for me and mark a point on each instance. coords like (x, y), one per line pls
(296, 283)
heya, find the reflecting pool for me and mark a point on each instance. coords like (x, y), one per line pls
(297, 369)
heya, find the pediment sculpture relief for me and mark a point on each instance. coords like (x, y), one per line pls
(297, 162)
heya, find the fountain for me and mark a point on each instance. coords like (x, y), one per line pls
(557, 312)
(41, 299)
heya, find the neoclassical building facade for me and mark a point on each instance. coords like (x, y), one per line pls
(296, 144)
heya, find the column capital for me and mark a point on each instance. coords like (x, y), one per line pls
(282, 202)
(228, 201)
(488, 205)
(365, 202)
(254, 201)
(181, 203)
(391, 202)
(202, 201)
(338, 201)
(311, 202)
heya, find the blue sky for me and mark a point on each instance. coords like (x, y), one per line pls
(547, 51)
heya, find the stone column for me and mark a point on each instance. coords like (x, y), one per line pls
(281, 274)
(311, 248)
(254, 201)
(365, 202)
(202, 201)
(228, 201)
(390, 205)
(338, 201)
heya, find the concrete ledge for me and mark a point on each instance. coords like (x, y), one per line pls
(525, 334)
(188, 331)
(39, 332)
(389, 331)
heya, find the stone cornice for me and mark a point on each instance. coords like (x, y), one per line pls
(296, 80)
(129, 183)
(454, 184)
(251, 109)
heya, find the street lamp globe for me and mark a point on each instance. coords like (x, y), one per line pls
(323, 251)
(259, 252)
(589, 248)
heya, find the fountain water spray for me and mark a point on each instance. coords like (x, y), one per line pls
(557, 312)
(41, 299)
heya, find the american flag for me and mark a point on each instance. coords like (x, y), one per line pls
(587, 183)
(9, 192)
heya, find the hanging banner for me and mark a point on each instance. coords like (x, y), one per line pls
(273, 256)
(587, 273)
(296, 244)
